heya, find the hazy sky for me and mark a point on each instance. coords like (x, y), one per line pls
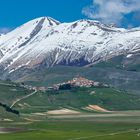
(124, 13)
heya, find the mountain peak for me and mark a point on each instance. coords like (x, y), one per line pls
(50, 19)
(47, 19)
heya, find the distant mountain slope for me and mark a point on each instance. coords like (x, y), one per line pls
(45, 42)
(115, 77)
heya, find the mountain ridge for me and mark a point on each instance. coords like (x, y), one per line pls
(45, 42)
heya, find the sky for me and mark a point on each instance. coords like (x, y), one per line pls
(123, 13)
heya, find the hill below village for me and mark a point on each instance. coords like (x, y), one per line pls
(90, 96)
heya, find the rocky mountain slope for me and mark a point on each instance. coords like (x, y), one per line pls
(45, 42)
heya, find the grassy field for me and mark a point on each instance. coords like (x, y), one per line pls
(93, 128)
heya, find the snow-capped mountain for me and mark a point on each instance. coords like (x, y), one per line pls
(45, 41)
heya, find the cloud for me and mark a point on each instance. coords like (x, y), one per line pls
(5, 30)
(111, 11)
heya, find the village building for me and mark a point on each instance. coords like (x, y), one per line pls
(83, 82)
(75, 82)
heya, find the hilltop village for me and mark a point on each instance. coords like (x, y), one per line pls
(75, 82)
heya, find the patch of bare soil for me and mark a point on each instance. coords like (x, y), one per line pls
(64, 111)
(10, 130)
(96, 108)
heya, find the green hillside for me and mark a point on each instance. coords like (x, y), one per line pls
(75, 98)
(78, 98)
(9, 92)
(88, 125)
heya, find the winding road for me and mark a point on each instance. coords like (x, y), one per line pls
(22, 98)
